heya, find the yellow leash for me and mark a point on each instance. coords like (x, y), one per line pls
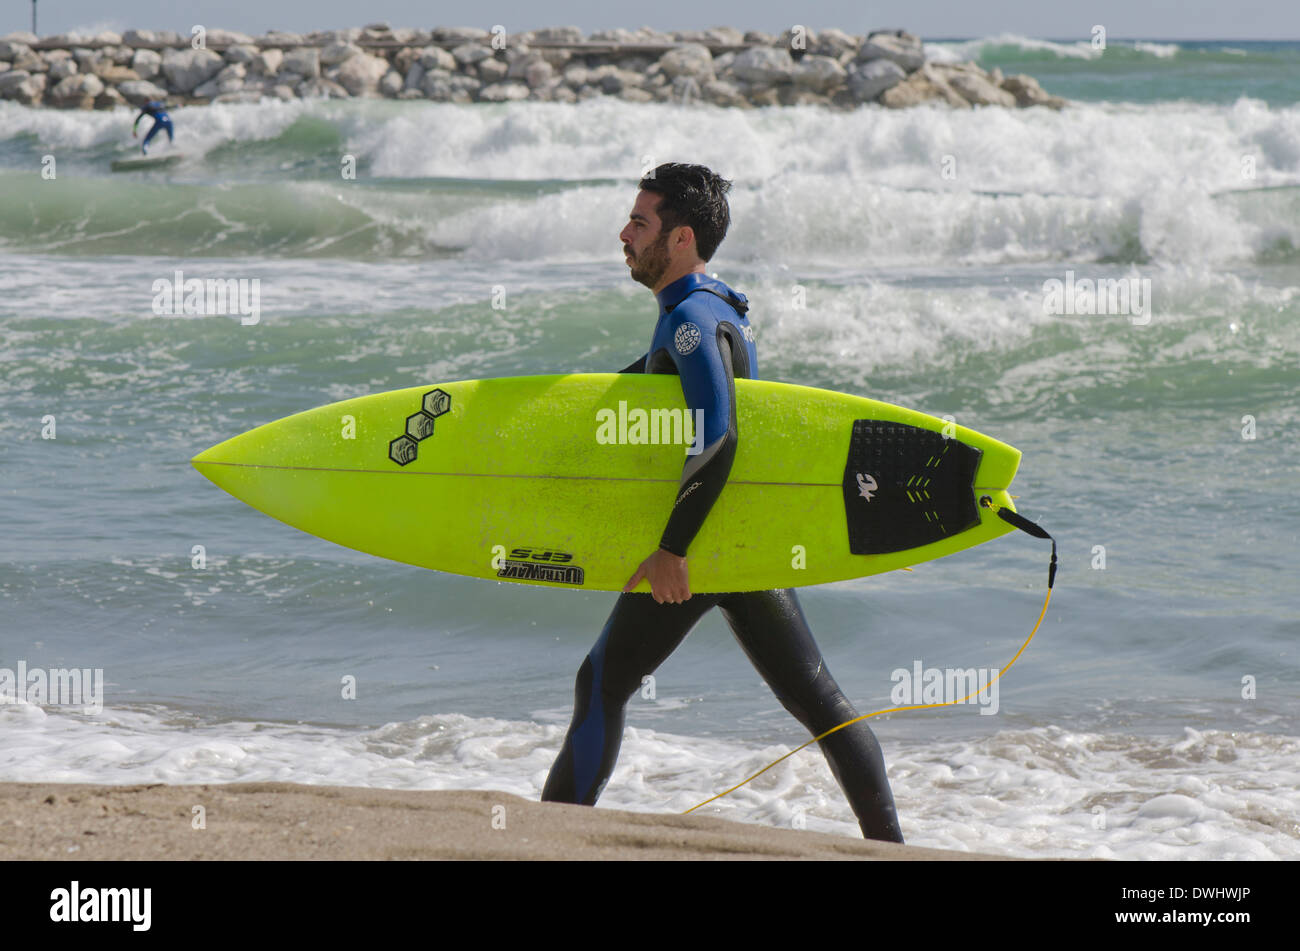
(1019, 522)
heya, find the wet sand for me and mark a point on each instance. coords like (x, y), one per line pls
(289, 821)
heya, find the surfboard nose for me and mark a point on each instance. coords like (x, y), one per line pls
(229, 451)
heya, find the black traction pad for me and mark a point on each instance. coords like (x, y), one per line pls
(905, 487)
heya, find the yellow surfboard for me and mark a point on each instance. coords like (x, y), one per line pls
(568, 481)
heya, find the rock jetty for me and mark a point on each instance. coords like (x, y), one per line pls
(720, 66)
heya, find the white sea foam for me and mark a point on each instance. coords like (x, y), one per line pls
(1039, 792)
(961, 51)
(873, 186)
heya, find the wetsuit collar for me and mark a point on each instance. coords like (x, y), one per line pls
(674, 293)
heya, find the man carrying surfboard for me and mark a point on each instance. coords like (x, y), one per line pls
(703, 335)
(161, 121)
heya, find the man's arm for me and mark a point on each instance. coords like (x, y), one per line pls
(708, 383)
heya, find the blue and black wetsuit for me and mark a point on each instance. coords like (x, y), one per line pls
(704, 337)
(160, 121)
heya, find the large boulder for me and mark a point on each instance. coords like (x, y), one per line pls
(146, 63)
(120, 55)
(229, 80)
(468, 54)
(62, 68)
(241, 53)
(435, 57)
(188, 68)
(391, 84)
(819, 74)
(763, 66)
(304, 61)
(110, 98)
(115, 75)
(31, 61)
(338, 53)
(76, 92)
(140, 91)
(267, 62)
(834, 43)
(868, 80)
(897, 45)
(719, 92)
(533, 69)
(492, 70)
(464, 88)
(16, 84)
(924, 85)
(611, 80)
(360, 75)
(693, 60)
(1027, 92)
(975, 86)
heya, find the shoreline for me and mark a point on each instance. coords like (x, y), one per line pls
(289, 821)
(721, 66)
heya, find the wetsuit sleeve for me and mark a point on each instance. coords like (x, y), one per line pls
(636, 367)
(709, 386)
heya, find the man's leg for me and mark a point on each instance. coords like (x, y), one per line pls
(638, 637)
(773, 632)
(144, 146)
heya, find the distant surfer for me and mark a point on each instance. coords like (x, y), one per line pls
(161, 121)
(703, 336)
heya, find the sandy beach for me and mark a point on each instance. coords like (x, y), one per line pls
(288, 821)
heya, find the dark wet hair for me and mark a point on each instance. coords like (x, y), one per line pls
(692, 195)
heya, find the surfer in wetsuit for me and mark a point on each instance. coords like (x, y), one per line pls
(160, 121)
(703, 335)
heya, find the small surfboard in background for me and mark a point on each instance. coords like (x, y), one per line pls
(140, 162)
(568, 481)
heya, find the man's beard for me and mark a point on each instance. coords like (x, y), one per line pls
(649, 266)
